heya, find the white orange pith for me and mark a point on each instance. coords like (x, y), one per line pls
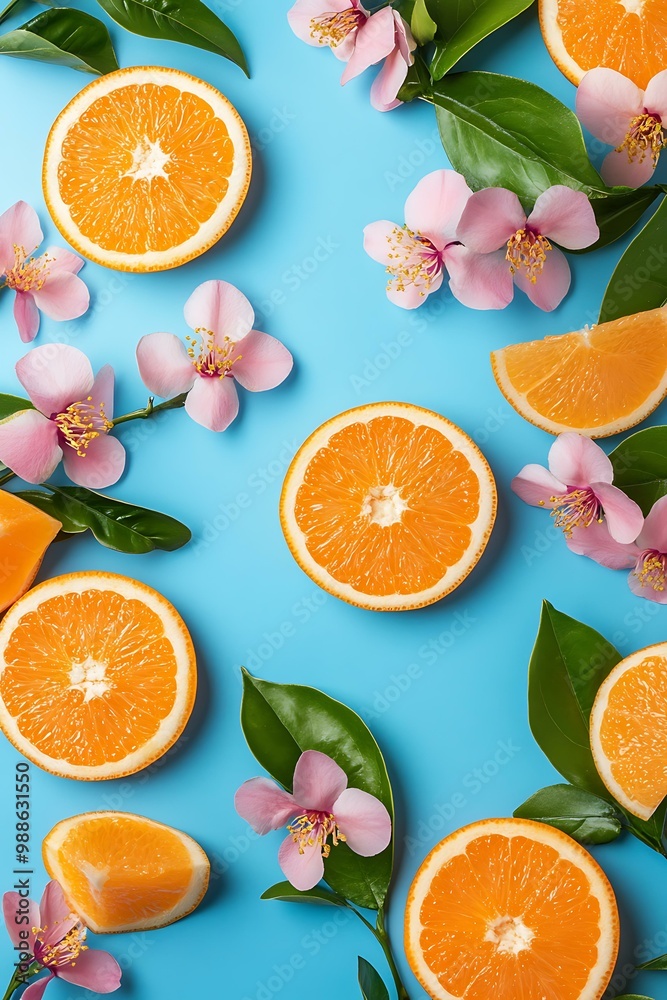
(123, 872)
(629, 731)
(97, 675)
(388, 506)
(510, 909)
(146, 168)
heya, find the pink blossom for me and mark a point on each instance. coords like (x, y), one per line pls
(577, 488)
(70, 421)
(224, 351)
(332, 23)
(647, 557)
(56, 940)
(49, 282)
(517, 249)
(321, 809)
(615, 110)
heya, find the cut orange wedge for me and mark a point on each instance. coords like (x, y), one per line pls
(629, 731)
(97, 675)
(146, 168)
(25, 535)
(597, 381)
(626, 35)
(122, 872)
(510, 909)
(388, 506)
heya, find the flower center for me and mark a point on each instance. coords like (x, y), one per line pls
(314, 829)
(645, 135)
(510, 935)
(211, 360)
(527, 251)
(333, 28)
(652, 569)
(28, 273)
(414, 260)
(63, 952)
(384, 505)
(90, 678)
(577, 508)
(81, 423)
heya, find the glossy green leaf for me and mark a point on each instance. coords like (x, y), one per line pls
(64, 36)
(640, 466)
(187, 21)
(461, 25)
(279, 722)
(633, 996)
(639, 280)
(370, 981)
(422, 25)
(12, 404)
(286, 892)
(655, 965)
(115, 524)
(417, 83)
(9, 8)
(587, 818)
(618, 212)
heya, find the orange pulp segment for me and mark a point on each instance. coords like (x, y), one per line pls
(25, 534)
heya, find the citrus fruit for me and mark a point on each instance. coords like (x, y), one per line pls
(388, 506)
(629, 730)
(509, 909)
(146, 168)
(122, 872)
(596, 381)
(97, 675)
(25, 535)
(626, 35)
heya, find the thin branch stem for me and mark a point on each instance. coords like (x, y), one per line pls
(380, 934)
(150, 409)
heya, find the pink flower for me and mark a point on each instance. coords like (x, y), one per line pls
(616, 111)
(649, 576)
(48, 282)
(517, 248)
(577, 488)
(56, 939)
(71, 420)
(335, 23)
(321, 808)
(225, 350)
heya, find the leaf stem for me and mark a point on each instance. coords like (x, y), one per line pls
(150, 409)
(379, 932)
(6, 477)
(20, 978)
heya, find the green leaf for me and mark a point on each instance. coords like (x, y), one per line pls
(633, 996)
(655, 965)
(422, 25)
(640, 466)
(587, 818)
(417, 83)
(461, 25)
(9, 8)
(115, 524)
(286, 892)
(279, 722)
(617, 212)
(64, 36)
(639, 280)
(187, 21)
(372, 986)
(12, 404)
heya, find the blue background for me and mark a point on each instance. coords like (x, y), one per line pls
(326, 164)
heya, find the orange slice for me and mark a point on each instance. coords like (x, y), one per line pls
(146, 168)
(597, 381)
(629, 731)
(626, 35)
(511, 910)
(25, 535)
(122, 872)
(388, 506)
(97, 675)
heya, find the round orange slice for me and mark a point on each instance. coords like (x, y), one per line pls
(146, 168)
(122, 872)
(510, 908)
(629, 731)
(598, 381)
(25, 534)
(97, 675)
(626, 35)
(388, 506)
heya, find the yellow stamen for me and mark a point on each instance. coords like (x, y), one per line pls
(62, 952)
(414, 260)
(645, 135)
(331, 29)
(81, 423)
(576, 509)
(210, 358)
(311, 829)
(653, 572)
(28, 273)
(527, 251)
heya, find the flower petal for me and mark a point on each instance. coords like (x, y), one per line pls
(264, 805)
(302, 14)
(596, 543)
(578, 461)
(479, 281)
(606, 102)
(305, 870)
(164, 365)
(654, 533)
(261, 362)
(435, 206)
(19, 226)
(62, 296)
(318, 781)
(644, 589)
(95, 970)
(551, 286)
(29, 445)
(102, 464)
(35, 991)
(624, 517)
(618, 168)
(12, 909)
(64, 260)
(27, 316)
(376, 39)
(56, 915)
(565, 216)
(364, 822)
(377, 236)
(101, 394)
(220, 308)
(655, 96)
(389, 81)
(536, 485)
(54, 376)
(213, 402)
(490, 217)
(413, 294)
